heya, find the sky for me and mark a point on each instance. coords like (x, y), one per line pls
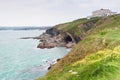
(49, 12)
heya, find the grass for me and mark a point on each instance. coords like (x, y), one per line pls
(75, 27)
(96, 57)
(102, 65)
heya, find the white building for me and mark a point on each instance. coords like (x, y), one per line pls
(102, 13)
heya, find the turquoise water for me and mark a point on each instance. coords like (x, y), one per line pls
(21, 60)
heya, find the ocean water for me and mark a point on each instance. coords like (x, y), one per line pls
(21, 60)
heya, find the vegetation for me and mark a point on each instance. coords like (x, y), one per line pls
(76, 28)
(96, 56)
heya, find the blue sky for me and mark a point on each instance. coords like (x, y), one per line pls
(49, 12)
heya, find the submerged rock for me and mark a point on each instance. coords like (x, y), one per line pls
(31, 37)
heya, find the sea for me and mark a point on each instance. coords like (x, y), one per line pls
(20, 59)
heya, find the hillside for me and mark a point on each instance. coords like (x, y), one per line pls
(96, 55)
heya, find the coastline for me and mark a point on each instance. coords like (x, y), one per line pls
(46, 42)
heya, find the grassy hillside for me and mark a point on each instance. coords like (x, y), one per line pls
(96, 56)
(78, 27)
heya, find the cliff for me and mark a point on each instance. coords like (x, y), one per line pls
(95, 56)
(67, 34)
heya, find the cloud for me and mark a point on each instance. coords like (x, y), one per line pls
(49, 12)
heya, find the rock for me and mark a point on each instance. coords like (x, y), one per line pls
(49, 68)
(27, 38)
(50, 45)
(52, 38)
(41, 45)
(46, 45)
(31, 37)
(37, 37)
(70, 45)
(52, 31)
(58, 60)
(41, 40)
(61, 44)
(51, 65)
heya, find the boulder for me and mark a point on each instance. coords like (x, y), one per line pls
(46, 45)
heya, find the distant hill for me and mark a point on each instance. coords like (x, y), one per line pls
(25, 28)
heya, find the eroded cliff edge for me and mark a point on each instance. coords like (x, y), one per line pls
(67, 34)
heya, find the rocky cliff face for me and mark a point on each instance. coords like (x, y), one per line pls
(55, 36)
(53, 40)
(52, 31)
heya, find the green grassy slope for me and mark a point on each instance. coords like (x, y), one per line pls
(77, 27)
(96, 57)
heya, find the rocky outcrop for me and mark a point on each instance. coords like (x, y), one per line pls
(54, 37)
(31, 37)
(52, 31)
(46, 45)
(59, 40)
